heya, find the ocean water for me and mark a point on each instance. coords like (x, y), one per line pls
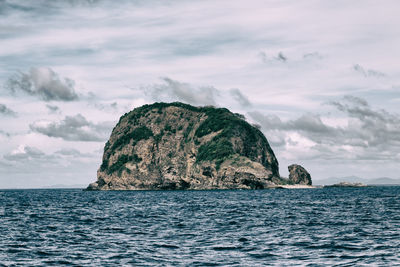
(309, 227)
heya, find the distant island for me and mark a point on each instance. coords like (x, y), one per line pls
(356, 179)
(347, 184)
(175, 146)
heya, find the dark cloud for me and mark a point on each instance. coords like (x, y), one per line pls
(43, 83)
(355, 100)
(239, 97)
(372, 134)
(281, 57)
(377, 128)
(4, 133)
(306, 123)
(309, 125)
(4, 110)
(313, 126)
(173, 90)
(41, 7)
(368, 72)
(53, 109)
(268, 122)
(74, 128)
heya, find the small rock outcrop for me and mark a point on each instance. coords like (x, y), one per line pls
(347, 184)
(178, 146)
(299, 175)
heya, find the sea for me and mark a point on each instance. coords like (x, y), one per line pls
(272, 227)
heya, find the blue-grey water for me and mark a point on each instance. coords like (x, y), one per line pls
(310, 227)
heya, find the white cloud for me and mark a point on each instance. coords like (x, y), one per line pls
(24, 153)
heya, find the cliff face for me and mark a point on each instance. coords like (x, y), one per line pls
(178, 146)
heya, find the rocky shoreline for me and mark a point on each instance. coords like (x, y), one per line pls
(296, 186)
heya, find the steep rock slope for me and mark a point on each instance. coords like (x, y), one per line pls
(179, 146)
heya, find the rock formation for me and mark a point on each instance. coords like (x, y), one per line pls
(179, 146)
(299, 175)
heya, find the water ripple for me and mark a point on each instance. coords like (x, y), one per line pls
(320, 227)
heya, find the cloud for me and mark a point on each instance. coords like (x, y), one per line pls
(26, 165)
(173, 90)
(72, 153)
(74, 128)
(109, 107)
(239, 97)
(352, 99)
(368, 72)
(378, 128)
(149, 39)
(4, 110)
(306, 123)
(368, 133)
(42, 7)
(24, 153)
(4, 133)
(43, 83)
(280, 57)
(53, 109)
(309, 125)
(300, 60)
(313, 55)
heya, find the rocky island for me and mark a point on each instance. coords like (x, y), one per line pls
(167, 146)
(347, 184)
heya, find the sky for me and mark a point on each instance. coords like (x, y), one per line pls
(321, 79)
